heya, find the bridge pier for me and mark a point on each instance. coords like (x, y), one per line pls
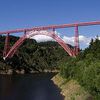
(7, 45)
(76, 41)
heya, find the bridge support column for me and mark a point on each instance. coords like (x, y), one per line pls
(7, 45)
(76, 49)
(24, 32)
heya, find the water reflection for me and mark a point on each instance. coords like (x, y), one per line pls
(28, 87)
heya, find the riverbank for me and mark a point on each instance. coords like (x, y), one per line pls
(11, 71)
(71, 89)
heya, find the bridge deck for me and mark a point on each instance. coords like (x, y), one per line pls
(52, 27)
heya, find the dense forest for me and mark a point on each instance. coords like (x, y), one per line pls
(85, 68)
(32, 56)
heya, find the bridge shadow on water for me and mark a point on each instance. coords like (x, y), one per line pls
(29, 87)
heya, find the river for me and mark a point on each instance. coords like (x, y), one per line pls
(29, 87)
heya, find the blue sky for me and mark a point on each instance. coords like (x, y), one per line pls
(28, 13)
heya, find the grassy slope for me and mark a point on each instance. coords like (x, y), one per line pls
(71, 89)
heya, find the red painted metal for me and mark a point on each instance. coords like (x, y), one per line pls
(52, 27)
(14, 48)
(76, 41)
(72, 52)
(63, 44)
(28, 35)
(7, 45)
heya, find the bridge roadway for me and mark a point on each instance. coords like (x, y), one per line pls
(52, 27)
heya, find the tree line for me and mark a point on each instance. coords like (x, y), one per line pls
(32, 56)
(85, 68)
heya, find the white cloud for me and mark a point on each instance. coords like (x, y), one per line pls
(41, 37)
(82, 39)
(69, 40)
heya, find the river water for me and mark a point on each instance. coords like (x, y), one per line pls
(29, 87)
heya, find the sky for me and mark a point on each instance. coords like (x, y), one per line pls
(29, 13)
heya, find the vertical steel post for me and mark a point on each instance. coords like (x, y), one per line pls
(24, 32)
(54, 30)
(7, 45)
(76, 40)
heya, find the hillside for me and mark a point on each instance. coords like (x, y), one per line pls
(32, 56)
(84, 69)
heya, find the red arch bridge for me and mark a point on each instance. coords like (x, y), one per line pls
(29, 32)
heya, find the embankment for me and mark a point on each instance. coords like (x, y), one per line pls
(71, 89)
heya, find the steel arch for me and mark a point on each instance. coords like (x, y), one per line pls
(30, 34)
